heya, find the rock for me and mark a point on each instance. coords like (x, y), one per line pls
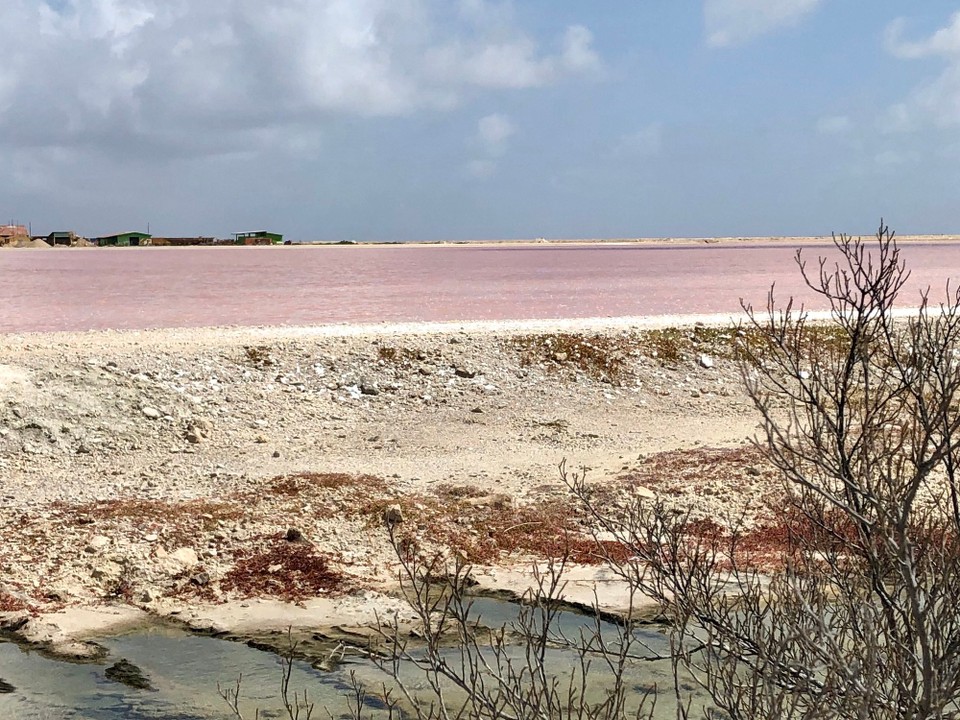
(706, 362)
(147, 596)
(393, 515)
(294, 535)
(97, 543)
(126, 673)
(463, 372)
(369, 388)
(201, 579)
(560, 356)
(151, 538)
(151, 413)
(6, 688)
(260, 440)
(193, 436)
(185, 556)
(276, 453)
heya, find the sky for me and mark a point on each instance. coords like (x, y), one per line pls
(477, 119)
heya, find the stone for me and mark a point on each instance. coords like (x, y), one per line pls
(466, 373)
(706, 362)
(126, 673)
(369, 388)
(276, 453)
(97, 543)
(185, 556)
(393, 515)
(151, 413)
(294, 535)
(151, 538)
(193, 436)
(201, 579)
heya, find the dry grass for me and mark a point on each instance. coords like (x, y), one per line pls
(158, 510)
(304, 483)
(485, 530)
(399, 355)
(610, 358)
(692, 468)
(602, 357)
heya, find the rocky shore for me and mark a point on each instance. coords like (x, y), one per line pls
(240, 481)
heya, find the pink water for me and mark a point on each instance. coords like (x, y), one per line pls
(139, 288)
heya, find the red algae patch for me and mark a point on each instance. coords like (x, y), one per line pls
(291, 571)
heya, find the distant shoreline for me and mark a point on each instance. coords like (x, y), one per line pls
(653, 242)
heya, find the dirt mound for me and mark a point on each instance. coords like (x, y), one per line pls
(27, 243)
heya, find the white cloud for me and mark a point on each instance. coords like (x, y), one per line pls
(493, 131)
(164, 78)
(734, 22)
(834, 125)
(936, 101)
(645, 142)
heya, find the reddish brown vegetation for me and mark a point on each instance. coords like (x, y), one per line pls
(291, 571)
(731, 465)
(10, 603)
(301, 483)
(485, 530)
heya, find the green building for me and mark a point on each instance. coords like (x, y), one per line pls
(258, 237)
(126, 239)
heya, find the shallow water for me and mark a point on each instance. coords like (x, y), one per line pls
(138, 288)
(185, 669)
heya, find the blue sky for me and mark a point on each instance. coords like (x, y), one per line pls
(422, 119)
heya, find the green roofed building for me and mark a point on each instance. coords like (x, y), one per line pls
(258, 237)
(126, 239)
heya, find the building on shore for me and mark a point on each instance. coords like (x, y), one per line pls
(124, 239)
(11, 234)
(258, 237)
(181, 241)
(62, 237)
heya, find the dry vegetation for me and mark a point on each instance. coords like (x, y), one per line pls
(291, 571)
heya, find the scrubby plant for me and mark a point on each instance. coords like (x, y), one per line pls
(859, 617)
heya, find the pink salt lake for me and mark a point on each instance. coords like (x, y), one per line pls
(140, 288)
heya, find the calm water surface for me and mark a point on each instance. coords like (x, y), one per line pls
(139, 288)
(185, 670)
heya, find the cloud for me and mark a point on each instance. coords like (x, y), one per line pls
(936, 101)
(185, 78)
(645, 142)
(493, 131)
(735, 22)
(834, 125)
